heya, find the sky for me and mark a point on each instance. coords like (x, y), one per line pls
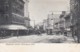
(39, 9)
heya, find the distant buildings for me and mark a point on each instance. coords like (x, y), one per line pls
(68, 24)
(56, 28)
(49, 23)
(62, 22)
(58, 25)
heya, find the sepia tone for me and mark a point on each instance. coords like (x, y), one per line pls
(58, 27)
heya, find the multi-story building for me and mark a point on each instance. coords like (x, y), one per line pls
(26, 14)
(62, 22)
(75, 14)
(56, 24)
(50, 22)
(12, 12)
(26, 11)
(56, 28)
(68, 24)
(12, 16)
(74, 9)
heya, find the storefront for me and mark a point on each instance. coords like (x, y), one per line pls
(13, 30)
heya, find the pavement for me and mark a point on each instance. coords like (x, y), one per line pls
(43, 38)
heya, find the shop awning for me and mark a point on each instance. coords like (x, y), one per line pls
(13, 27)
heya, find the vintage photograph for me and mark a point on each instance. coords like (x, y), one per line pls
(39, 21)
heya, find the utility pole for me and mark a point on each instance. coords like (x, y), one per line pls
(48, 24)
(34, 23)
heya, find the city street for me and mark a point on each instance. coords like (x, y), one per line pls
(44, 38)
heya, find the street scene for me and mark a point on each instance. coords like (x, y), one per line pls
(39, 21)
(43, 38)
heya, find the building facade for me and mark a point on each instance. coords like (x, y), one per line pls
(27, 22)
(75, 14)
(4, 11)
(12, 17)
(68, 24)
(62, 22)
(56, 28)
(56, 24)
(12, 12)
(26, 14)
(26, 11)
(50, 22)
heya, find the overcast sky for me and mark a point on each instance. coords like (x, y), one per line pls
(39, 9)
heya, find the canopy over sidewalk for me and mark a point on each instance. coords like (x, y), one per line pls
(13, 27)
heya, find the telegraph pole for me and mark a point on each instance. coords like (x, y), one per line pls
(34, 23)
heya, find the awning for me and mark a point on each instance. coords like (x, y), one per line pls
(13, 27)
